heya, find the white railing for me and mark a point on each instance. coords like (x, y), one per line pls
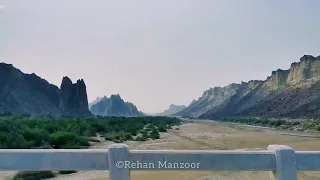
(282, 161)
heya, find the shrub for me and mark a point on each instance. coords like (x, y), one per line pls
(162, 128)
(271, 123)
(295, 123)
(145, 134)
(279, 122)
(16, 141)
(60, 140)
(98, 127)
(91, 139)
(134, 133)
(38, 136)
(148, 127)
(33, 175)
(112, 136)
(118, 136)
(128, 136)
(154, 134)
(67, 172)
(141, 138)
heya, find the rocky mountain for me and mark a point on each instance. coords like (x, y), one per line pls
(293, 93)
(73, 98)
(98, 99)
(172, 110)
(114, 106)
(22, 93)
(192, 102)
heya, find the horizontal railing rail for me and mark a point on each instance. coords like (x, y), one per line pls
(282, 161)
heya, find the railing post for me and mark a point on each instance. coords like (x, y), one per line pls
(286, 168)
(118, 154)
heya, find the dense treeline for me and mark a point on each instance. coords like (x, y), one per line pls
(254, 121)
(34, 132)
(276, 123)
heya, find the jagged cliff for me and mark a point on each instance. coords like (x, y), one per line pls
(22, 93)
(215, 99)
(114, 106)
(172, 110)
(286, 93)
(209, 99)
(73, 98)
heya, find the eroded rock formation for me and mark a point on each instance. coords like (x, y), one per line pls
(22, 93)
(286, 93)
(73, 98)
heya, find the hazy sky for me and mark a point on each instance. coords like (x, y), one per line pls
(156, 52)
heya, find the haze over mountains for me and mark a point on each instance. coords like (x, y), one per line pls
(114, 106)
(172, 110)
(95, 101)
(29, 94)
(293, 93)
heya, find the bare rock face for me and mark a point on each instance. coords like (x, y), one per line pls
(22, 93)
(73, 98)
(216, 96)
(286, 93)
(26, 93)
(304, 71)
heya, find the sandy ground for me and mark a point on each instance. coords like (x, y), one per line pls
(207, 135)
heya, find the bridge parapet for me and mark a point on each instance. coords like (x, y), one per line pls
(283, 162)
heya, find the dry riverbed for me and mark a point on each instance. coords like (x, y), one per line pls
(208, 135)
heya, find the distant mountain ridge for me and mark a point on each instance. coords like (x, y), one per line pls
(22, 93)
(172, 110)
(114, 106)
(98, 99)
(293, 93)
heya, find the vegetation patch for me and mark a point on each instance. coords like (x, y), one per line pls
(291, 124)
(93, 139)
(118, 136)
(24, 132)
(33, 175)
(67, 172)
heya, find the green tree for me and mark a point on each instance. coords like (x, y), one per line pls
(162, 128)
(154, 134)
(60, 140)
(16, 141)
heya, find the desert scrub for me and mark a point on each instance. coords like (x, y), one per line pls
(67, 172)
(33, 175)
(154, 134)
(92, 139)
(118, 136)
(25, 132)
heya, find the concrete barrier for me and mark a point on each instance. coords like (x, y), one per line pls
(282, 161)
